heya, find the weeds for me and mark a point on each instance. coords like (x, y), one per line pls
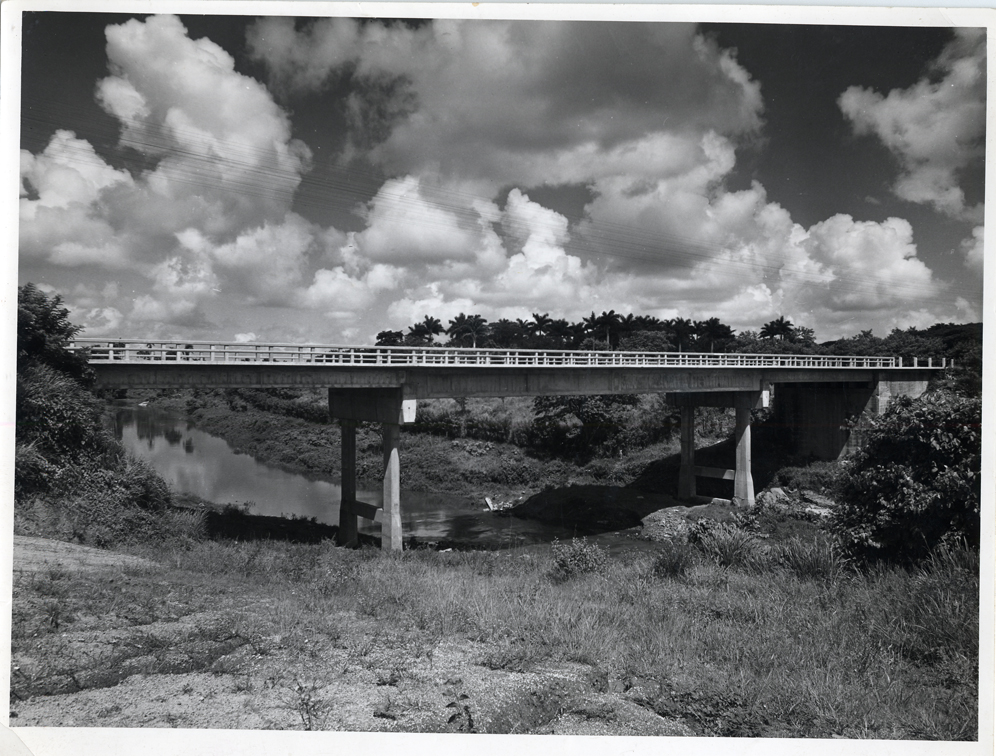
(673, 560)
(775, 641)
(820, 559)
(729, 546)
(303, 699)
(578, 558)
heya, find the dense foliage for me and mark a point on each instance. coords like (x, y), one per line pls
(44, 333)
(71, 478)
(915, 483)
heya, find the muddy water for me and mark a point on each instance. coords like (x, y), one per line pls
(197, 463)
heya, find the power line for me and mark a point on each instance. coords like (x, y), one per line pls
(253, 172)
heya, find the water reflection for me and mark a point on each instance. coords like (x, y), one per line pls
(196, 463)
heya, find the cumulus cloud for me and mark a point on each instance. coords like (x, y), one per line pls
(212, 214)
(936, 127)
(974, 250)
(181, 102)
(470, 123)
(60, 219)
(510, 102)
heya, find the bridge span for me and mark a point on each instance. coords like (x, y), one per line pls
(815, 394)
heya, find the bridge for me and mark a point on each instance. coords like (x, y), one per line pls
(816, 394)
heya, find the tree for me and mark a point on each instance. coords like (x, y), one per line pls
(540, 324)
(608, 322)
(646, 341)
(507, 334)
(712, 331)
(780, 329)
(44, 334)
(582, 423)
(390, 338)
(683, 329)
(433, 326)
(916, 481)
(467, 326)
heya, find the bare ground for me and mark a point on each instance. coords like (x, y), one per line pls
(169, 649)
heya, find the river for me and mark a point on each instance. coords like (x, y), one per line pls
(194, 462)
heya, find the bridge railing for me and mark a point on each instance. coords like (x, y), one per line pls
(118, 351)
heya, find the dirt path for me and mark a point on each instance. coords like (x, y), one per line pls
(103, 639)
(39, 554)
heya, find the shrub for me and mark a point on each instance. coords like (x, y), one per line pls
(727, 544)
(915, 482)
(57, 415)
(578, 558)
(673, 560)
(32, 472)
(44, 333)
(820, 559)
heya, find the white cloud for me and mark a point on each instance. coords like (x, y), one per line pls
(513, 102)
(60, 220)
(100, 321)
(936, 127)
(245, 338)
(181, 101)
(346, 297)
(974, 250)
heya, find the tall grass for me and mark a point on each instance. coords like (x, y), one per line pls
(791, 641)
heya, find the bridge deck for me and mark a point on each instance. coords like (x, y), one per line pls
(428, 372)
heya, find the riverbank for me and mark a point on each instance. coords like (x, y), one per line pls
(466, 466)
(703, 638)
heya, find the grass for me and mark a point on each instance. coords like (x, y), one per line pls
(790, 641)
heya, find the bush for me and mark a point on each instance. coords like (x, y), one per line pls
(578, 558)
(820, 559)
(727, 544)
(673, 560)
(57, 416)
(915, 482)
(44, 333)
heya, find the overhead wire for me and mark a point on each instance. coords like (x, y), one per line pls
(253, 171)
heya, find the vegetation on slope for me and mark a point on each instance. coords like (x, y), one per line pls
(71, 478)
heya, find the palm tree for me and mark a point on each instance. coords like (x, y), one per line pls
(507, 334)
(433, 326)
(561, 333)
(608, 320)
(683, 329)
(467, 325)
(648, 323)
(780, 329)
(540, 324)
(712, 330)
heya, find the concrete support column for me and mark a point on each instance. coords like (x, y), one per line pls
(686, 473)
(347, 535)
(390, 528)
(743, 482)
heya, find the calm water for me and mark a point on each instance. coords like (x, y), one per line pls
(194, 462)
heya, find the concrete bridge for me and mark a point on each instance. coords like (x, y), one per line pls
(816, 394)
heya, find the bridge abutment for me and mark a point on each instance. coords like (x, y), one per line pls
(826, 420)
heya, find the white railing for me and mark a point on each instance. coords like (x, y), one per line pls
(132, 351)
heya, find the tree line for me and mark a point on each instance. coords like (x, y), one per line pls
(646, 333)
(610, 330)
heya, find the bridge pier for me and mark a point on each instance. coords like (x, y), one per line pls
(390, 526)
(388, 407)
(348, 532)
(743, 402)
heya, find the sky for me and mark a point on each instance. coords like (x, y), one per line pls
(321, 180)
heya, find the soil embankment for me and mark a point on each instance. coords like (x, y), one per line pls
(430, 463)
